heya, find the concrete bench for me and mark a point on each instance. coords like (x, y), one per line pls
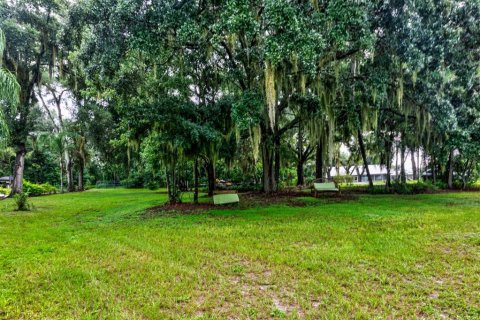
(324, 187)
(227, 198)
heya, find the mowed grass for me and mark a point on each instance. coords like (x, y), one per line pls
(97, 255)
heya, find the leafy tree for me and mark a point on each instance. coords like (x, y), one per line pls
(9, 90)
(30, 30)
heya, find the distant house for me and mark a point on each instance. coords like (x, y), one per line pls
(6, 181)
(378, 173)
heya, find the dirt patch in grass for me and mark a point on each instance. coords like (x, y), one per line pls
(175, 209)
(250, 200)
(293, 199)
(257, 287)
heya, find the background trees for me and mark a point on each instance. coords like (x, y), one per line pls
(30, 31)
(9, 89)
(175, 92)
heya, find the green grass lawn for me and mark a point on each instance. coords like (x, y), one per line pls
(97, 255)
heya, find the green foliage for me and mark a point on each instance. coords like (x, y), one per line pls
(347, 179)
(238, 83)
(38, 189)
(414, 188)
(247, 110)
(21, 201)
(5, 191)
(9, 91)
(390, 242)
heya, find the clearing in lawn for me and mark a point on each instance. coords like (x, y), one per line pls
(98, 255)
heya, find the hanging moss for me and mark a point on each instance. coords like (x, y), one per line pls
(270, 92)
(303, 83)
(294, 63)
(400, 92)
(232, 38)
(255, 136)
(132, 145)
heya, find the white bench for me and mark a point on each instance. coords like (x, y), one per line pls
(324, 187)
(226, 198)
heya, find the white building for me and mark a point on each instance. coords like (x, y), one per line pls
(378, 172)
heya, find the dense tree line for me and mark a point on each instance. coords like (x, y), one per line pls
(175, 91)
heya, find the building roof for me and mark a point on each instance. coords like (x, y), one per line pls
(6, 178)
(375, 169)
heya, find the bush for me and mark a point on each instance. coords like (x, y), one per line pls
(135, 180)
(441, 185)
(414, 188)
(243, 187)
(5, 191)
(152, 185)
(21, 201)
(348, 179)
(38, 189)
(378, 190)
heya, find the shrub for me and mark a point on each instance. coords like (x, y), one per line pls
(135, 180)
(21, 201)
(414, 188)
(441, 185)
(38, 189)
(152, 185)
(377, 190)
(5, 191)
(423, 187)
(242, 187)
(348, 179)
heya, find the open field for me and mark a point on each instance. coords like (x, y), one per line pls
(100, 255)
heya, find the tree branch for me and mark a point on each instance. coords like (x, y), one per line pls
(234, 64)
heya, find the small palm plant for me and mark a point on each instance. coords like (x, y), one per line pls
(9, 89)
(21, 200)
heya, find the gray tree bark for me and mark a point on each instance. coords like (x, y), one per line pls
(450, 170)
(364, 157)
(17, 186)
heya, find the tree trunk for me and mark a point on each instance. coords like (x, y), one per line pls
(424, 164)
(17, 186)
(169, 184)
(465, 174)
(364, 157)
(319, 162)
(388, 183)
(419, 165)
(61, 174)
(269, 168)
(450, 170)
(70, 184)
(269, 185)
(174, 185)
(403, 175)
(414, 165)
(300, 180)
(300, 176)
(396, 162)
(277, 160)
(210, 168)
(195, 181)
(80, 176)
(388, 162)
(359, 175)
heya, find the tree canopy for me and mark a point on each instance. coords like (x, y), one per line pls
(173, 92)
